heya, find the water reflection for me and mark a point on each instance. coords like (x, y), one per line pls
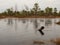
(48, 22)
(16, 25)
(25, 30)
(27, 25)
(35, 24)
(23, 20)
(42, 20)
(10, 21)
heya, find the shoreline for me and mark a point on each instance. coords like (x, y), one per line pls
(2, 17)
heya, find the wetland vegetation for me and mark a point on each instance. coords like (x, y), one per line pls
(20, 27)
(35, 12)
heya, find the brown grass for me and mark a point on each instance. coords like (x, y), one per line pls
(58, 23)
(56, 41)
(38, 42)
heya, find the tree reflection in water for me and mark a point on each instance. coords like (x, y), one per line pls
(15, 24)
(35, 25)
(48, 22)
(23, 21)
(42, 20)
(10, 21)
(27, 24)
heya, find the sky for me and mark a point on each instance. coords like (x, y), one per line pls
(5, 4)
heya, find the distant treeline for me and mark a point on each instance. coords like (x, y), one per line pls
(35, 11)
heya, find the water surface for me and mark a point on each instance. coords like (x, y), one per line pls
(14, 31)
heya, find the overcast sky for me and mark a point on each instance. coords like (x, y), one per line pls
(4, 4)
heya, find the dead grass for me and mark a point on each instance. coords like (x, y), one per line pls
(58, 23)
(38, 42)
(56, 41)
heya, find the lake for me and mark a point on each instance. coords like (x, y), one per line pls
(19, 31)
